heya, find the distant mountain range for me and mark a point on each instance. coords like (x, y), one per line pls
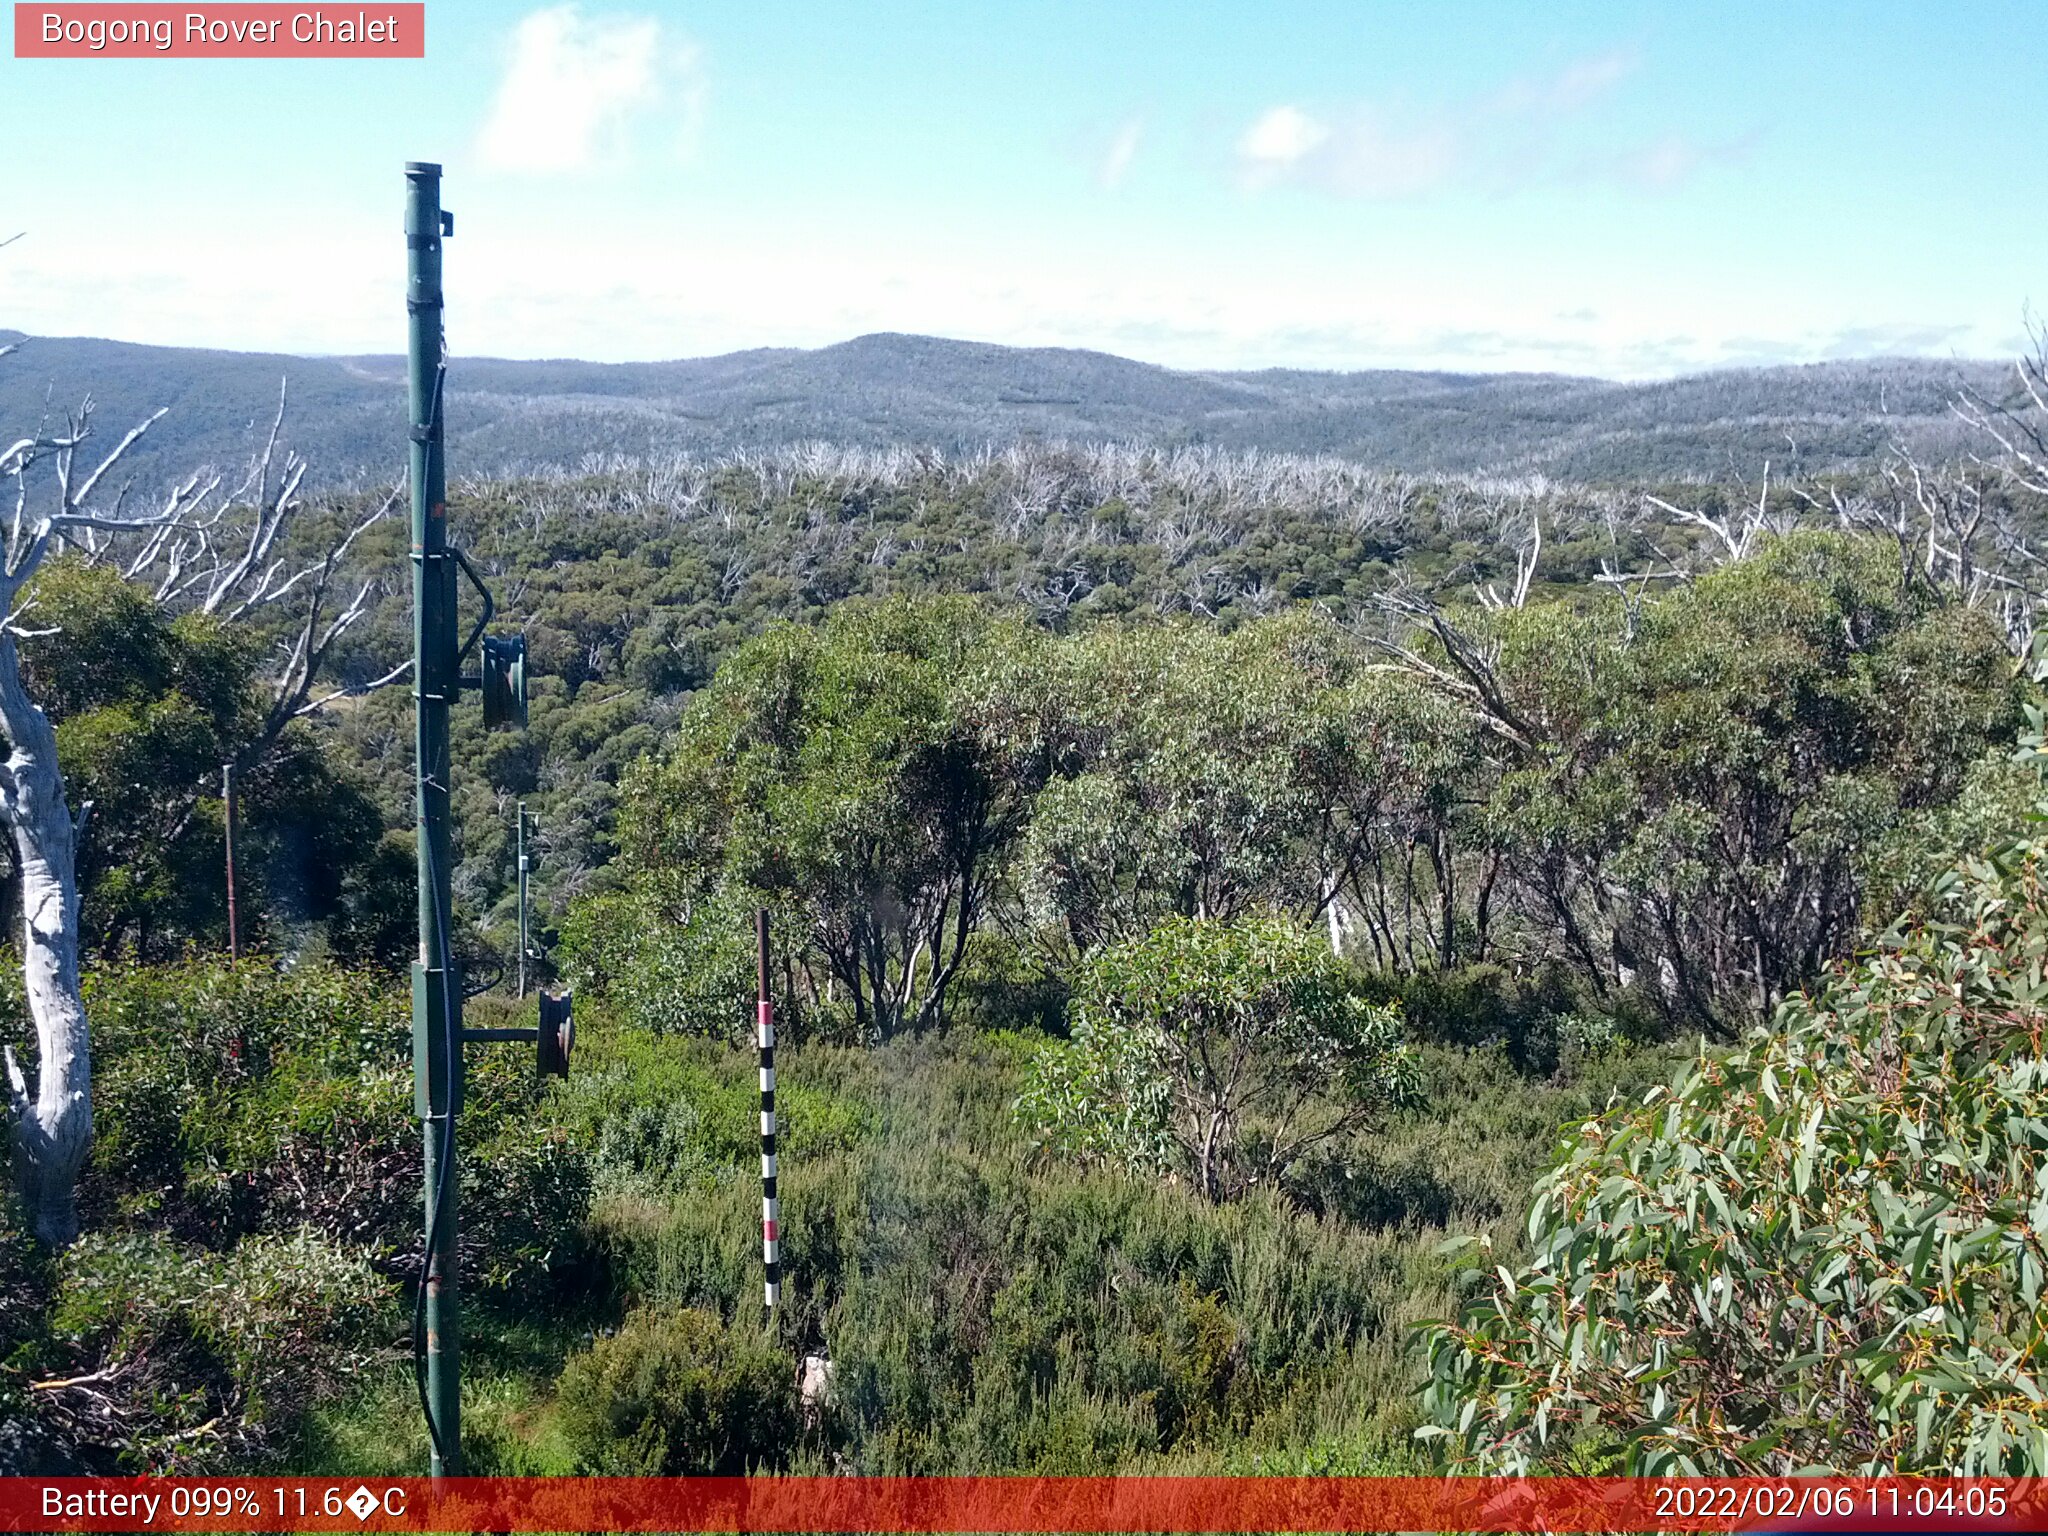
(347, 412)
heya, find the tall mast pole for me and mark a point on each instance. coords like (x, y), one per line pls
(436, 994)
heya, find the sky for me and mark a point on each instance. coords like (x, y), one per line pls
(1626, 190)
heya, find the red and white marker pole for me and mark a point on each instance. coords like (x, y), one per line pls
(771, 1223)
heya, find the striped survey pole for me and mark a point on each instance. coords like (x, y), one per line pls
(764, 1025)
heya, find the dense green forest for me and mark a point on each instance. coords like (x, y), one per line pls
(1210, 888)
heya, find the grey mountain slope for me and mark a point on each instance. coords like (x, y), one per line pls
(926, 391)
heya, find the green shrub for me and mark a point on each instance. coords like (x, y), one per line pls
(139, 1109)
(1487, 1005)
(659, 1148)
(1460, 1158)
(1003, 986)
(230, 1023)
(677, 1392)
(1565, 1044)
(992, 1320)
(525, 1195)
(1220, 1051)
(986, 1315)
(26, 1350)
(228, 1097)
(307, 1145)
(237, 1099)
(662, 1115)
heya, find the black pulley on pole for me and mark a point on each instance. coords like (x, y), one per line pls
(504, 681)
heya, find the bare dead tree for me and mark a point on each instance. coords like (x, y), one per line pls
(1631, 587)
(1526, 555)
(2019, 425)
(1469, 670)
(1735, 538)
(196, 549)
(230, 556)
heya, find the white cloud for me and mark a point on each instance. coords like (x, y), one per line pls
(1281, 140)
(576, 88)
(1116, 159)
(1376, 155)
(1366, 153)
(1670, 161)
(1502, 140)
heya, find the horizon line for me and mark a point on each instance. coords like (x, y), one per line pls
(1951, 360)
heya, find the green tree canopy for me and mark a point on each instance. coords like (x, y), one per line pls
(148, 706)
(1693, 799)
(838, 774)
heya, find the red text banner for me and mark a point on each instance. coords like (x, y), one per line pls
(1018, 1504)
(234, 31)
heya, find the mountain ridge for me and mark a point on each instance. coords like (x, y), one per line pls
(899, 389)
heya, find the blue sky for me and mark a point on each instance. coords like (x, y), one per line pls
(1629, 190)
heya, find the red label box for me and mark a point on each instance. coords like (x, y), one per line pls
(372, 30)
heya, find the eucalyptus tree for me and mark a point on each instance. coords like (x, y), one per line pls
(840, 775)
(1819, 1250)
(1686, 800)
(52, 1119)
(148, 704)
(1217, 1052)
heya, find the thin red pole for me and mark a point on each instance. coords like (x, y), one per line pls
(227, 795)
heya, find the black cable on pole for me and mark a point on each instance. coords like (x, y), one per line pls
(452, 1043)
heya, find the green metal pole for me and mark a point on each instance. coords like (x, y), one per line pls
(436, 994)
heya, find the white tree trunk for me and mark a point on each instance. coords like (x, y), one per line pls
(52, 1125)
(1336, 916)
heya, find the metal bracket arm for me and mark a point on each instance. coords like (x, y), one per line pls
(490, 605)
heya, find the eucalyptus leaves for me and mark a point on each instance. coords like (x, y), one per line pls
(1825, 1250)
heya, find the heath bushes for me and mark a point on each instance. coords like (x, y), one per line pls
(677, 1392)
(239, 1099)
(218, 1089)
(255, 1210)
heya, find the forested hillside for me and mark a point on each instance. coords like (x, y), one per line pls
(1205, 882)
(954, 396)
